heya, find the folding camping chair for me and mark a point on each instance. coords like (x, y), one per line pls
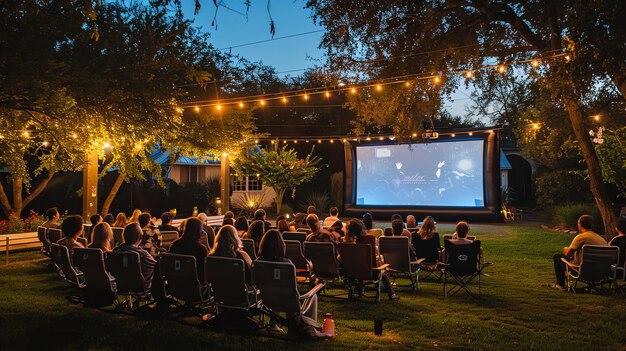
(463, 265)
(125, 267)
(180, 277)
(396, 252)
(597, 268)
(100, 288)
(359, 268)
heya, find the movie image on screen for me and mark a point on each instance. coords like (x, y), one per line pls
(434, 174)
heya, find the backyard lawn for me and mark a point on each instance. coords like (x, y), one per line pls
(517, 311)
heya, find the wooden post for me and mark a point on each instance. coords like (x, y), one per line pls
(90, 186)
(225, 183)
(7, 250)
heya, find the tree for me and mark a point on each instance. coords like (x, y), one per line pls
(279, 168)
(390, 38)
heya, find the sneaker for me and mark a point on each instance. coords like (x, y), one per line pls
(558, 287)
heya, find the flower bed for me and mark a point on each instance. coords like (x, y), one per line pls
(14, 224)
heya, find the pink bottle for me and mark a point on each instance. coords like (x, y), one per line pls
(328, 327)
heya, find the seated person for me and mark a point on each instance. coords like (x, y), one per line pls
(397, 229)
(228, 221)
(426, 241)
(241, 224)
(620, 240)
(357, 234)
(167, 218)
(52, 218)
(311, 210)
(572, 253)
(398, 217)
(410, 221)
(460, 237)
(95, 219)
(108, 219)
(330, 220)
(120, 220)
(72, 228)
(337, 229)
(228, 215)
(150, 237)
(255, 232)
(282, 226)
(209, 234)
(298, 222)
(272, 247)
(317, 234)
(132, 240)
(227, 244)
(102, 237)
(189, 244)
(369, 224)
(259, 215)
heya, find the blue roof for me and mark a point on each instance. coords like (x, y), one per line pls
(504, 162)
(163, 157)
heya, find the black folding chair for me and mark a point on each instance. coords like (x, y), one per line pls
(359, 268)
(100, 288)
(118, 237)
(250, 248)
(167, 238)
(54, 235)
(45, 244)
(293, 251)
(463, 265)
(125, 267)
(298, 236)
(60, 256)
(180, 276)
(597, 268)
(227, 280)
(325, 266)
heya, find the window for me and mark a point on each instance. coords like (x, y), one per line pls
(247, 184)
(188, 174)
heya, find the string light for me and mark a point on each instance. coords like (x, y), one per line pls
(307, 141)
(407, 84)
(218, 107)
(501, 68)
(368, 138)
(106, 145)
(353, 90)
(344, 140)
(327, 94)
(332, 141)
(470, 133)
(26, 134)
(567, 58)
(597, 118)
(534, 63)
(381, 138)
(284, 100)
(262, 102)
(74, 136)
(256, 141)
(241, 104)
(453, 135)
(535, 125)
(437, 80)
(414, 135)
(379, 87)
(295, 141)
(319, 141)
(469, 74)
(272, 141)
(45, 143)
(197, 109)
(305, 96)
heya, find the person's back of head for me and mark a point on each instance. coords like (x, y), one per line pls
(135, 216)
(282, 226)
(620, 225)
(228, 221)
(368, 220)
(313, 222)
(334, 211)
(410, 221)
(428, 228)
(193, 229)
(279, 218)
(585, 222)
(397, 226)
(241, 223)
(72, 226)
(256, 229)
(259, 214)
(337, 226)
(355, 228)
(108, 219)
(299, 218)
(51, 213)
(226, 242)
(229, 214)
(121, 220)
(102, 236)
(132, 233)
(95, 219)
(311, 210)
(462, 229)
(144, 219)
(272, 246)
(396, 216)
(166, 218)
(202, 217)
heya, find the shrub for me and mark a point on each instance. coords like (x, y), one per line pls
(319, 199)
(247, 203)
(561, 187)
(286, 209)
(14, 224)
(567, 216)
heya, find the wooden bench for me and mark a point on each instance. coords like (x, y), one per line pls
(19, 242)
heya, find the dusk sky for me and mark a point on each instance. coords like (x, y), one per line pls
(289, 55)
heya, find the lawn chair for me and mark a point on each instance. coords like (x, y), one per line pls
(227, 279)
(430, 251)
(54, 235)
(396, 252)
(621, 266)
(118, 237)
(276, 282)
(125, 267)
(180, 277)
(60, 256)
(299, 236)
(463, 265)
(250, 248)
(596, 269)
(359, 268)
(450, 236)
(100, 289)
(43, 238)
(305, 230)
(293, 251)
(167, 238)
(324, 260)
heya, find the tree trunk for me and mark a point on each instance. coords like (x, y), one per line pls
(109, 199)
(17, 185)
(279, 199)
(4, 202)
(18, 203)
(596, 181)
(38, 189)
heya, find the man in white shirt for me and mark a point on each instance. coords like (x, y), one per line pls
(328, 221)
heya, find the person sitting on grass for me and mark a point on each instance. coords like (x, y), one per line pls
(357, 234)
(166, 223)
(572, 253)
(319, 235)
(620, 240)
(189, 244)
(328, 221)
(132, 240)
(52, 216)
(242, 226)
(72, 227)
(102, 237)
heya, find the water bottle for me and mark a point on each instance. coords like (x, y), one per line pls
(328, 327)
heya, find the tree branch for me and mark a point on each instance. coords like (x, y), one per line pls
(4, 201)
(38, 189)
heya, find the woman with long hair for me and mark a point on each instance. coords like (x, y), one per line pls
(120, 220)
(241, 224)
(134, 218)
(228, 244)
(189, 244)
(102, 237)
(426, 241)
(282, 226)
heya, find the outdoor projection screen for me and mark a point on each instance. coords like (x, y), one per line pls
(447, 174)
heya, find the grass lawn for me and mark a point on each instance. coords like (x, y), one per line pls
(517, 311)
